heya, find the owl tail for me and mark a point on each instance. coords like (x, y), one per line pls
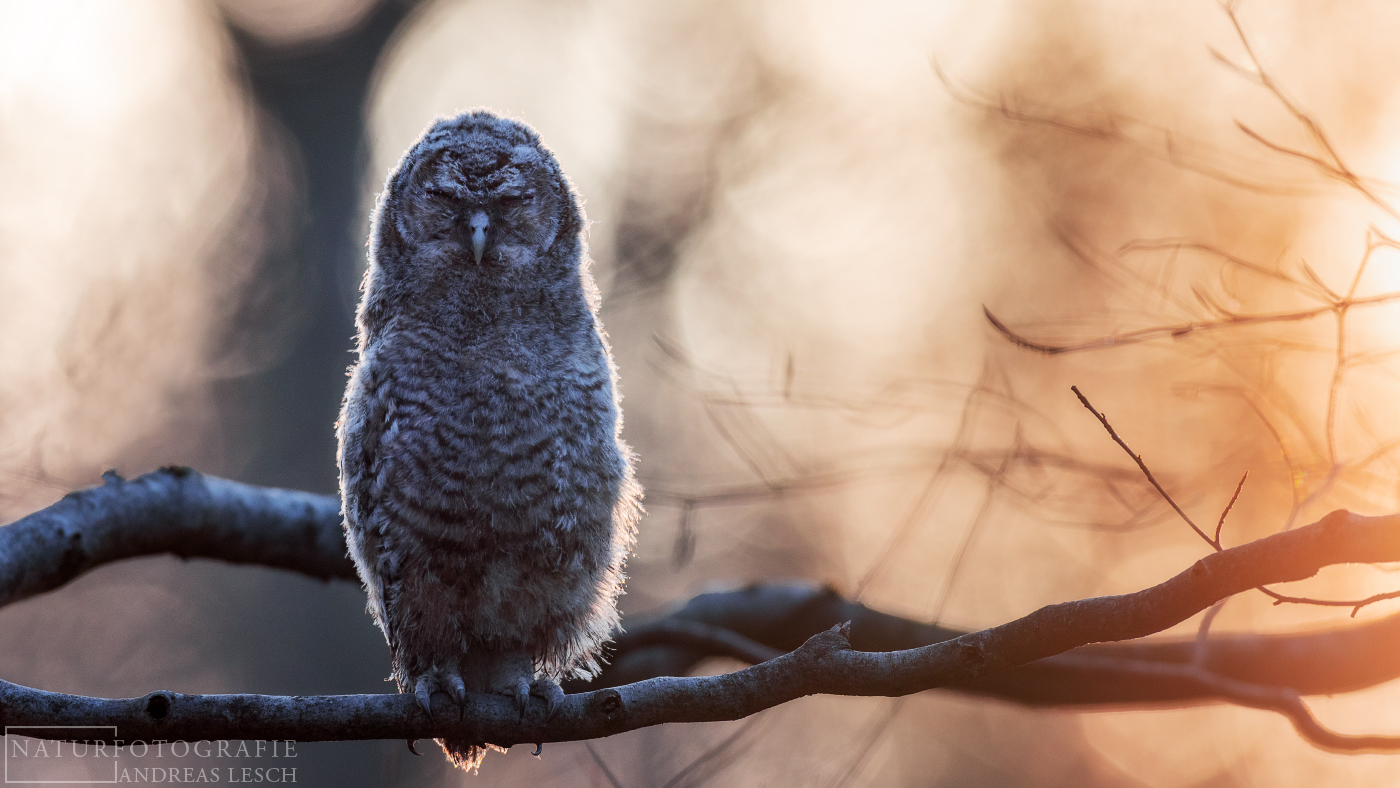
(465, 754)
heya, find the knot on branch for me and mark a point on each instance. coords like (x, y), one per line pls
(1199, 570)
(1335, 520)
(972, 655)
(609, 704)
(159, 704)
(824, 644)
(74, 557)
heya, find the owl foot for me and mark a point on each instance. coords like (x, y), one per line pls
(521, 691)
(547, 688)
(543, 687)
(423, 688)
(458, 692)
(446, 681)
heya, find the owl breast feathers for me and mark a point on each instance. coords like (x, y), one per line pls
(489, 501)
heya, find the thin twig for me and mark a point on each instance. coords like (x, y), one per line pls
(713, 640)
(1228, 507)
(994, 481)
(1142, 466)
(1198, 656)
(1355, 604)
(708, 757)
(1332, 165)
(1182, 244)
(1112, 130)
(598, 759)
(1182, 329)
(932, 487)
(877, 732)
(1276, 699)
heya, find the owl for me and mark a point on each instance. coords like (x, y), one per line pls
(489, 500)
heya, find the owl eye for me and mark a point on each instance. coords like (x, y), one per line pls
(513, 200)
(441, 194)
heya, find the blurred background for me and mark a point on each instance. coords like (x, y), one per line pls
(799, 211)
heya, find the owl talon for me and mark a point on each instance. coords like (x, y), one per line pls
(412, 749)
(423, 689)
(457, 690)
(522, 696)
(547, 688)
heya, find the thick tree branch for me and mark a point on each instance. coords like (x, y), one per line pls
(184, 513)
(187, 514)
(177, 511)
(780, 616)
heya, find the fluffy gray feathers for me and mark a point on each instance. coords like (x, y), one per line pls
(489, 501)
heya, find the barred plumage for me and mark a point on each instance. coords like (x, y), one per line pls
(489, 500)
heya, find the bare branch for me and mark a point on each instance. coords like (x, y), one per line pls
(1277, 699)
(1146, 472)
(1182, 329)
(712, 641)
(1322, 662)
(1228, 507)
(598, 759)
(1184, 245)
(711, 761)
(1152, 141)
(824, 664)
(1330, 163)
(1279, 599)
(1327, 169)
(181, 512)
(177, 511)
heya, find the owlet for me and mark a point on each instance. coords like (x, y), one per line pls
(489, 500)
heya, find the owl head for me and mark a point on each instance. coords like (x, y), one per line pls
(481, 197)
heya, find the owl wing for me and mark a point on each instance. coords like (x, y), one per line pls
(367, 423)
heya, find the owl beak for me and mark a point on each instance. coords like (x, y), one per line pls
(479, 224)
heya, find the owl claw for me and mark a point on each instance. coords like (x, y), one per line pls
(412, 749)
(457, 689)
(547, 688)
(522, 696)
(424, 690)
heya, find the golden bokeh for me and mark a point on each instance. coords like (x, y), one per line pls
(797, 224)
